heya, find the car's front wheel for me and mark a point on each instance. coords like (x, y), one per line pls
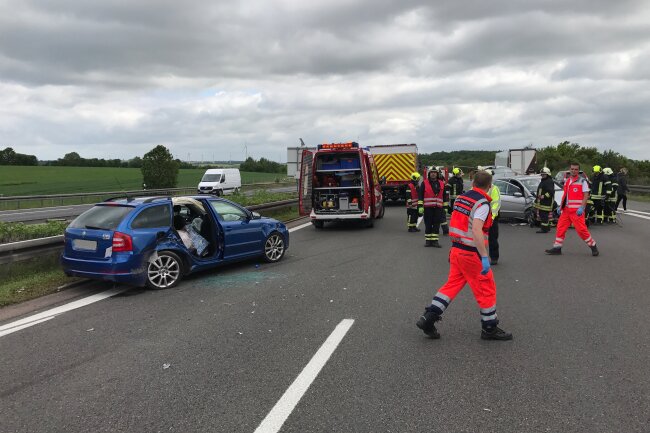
(164, 270)
(274, 247)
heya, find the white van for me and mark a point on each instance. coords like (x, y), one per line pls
(220, 181)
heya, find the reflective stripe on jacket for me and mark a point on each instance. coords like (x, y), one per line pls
(573, 195)
(430, 198)
(412, 195)
(462, 219)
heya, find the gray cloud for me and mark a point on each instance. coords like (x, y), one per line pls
(114, 79)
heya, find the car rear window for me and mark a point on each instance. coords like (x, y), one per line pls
(101, 217)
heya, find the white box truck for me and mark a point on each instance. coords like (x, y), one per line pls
(521, 161)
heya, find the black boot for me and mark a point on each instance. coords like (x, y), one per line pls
(436, 244)
(555, 251)
(412, 229)
(427, 324)
(594, 251)
(495, 333)
(543, 230)
(428, 243)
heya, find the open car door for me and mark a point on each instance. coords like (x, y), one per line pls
(305, 189)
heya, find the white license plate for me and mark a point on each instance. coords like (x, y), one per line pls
(84, 245)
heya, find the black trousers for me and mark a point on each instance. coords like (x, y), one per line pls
(493, 239)
(433, 217)
(411, 217)
(624, 198)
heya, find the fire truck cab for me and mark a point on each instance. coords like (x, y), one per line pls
(339, 181)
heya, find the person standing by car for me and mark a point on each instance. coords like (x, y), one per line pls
(622, 188)
(600, 188)
(494, 228)
(431, 200)
(454, 187)
(572, 208)
(412, 195)
(610, 200)
(544, 200)
(469, 262)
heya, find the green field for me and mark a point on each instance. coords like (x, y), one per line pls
(44, 180)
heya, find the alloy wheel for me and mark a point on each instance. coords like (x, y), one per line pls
(274, 248)
(164, 272)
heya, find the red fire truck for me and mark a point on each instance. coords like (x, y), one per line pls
(339, 181)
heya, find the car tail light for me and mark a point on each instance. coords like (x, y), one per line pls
(122, 243)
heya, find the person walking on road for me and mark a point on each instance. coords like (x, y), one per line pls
(572, 208)
(622, 188)
(469, 262)
(494, 228)
(430, 203)
(544, 201)
(610, 200)
(412, 192)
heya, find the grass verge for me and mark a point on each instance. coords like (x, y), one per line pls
(30, 279)
(639, 197)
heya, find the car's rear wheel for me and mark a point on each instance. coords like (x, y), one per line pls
(274, 247)
(164, 271)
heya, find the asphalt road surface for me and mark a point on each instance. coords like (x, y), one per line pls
(67, 212)
(234, 350)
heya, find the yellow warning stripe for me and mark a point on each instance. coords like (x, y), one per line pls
(396, 166)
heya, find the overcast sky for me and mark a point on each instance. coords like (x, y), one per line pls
(220, 79)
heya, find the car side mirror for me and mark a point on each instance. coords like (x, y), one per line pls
(256, 216)
(223, 179)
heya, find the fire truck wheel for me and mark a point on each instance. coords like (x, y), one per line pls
(318, 224)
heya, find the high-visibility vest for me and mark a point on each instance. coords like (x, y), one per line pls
(462, 219)
(432, 199)
(412, 195)
(573, 195)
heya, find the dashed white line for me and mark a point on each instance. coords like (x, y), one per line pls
(637, 214)
(283, 408)
(35, 319)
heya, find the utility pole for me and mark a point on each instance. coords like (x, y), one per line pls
(246, 150)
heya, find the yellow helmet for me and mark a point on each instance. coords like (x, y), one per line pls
(456, 170)
(415, 175)
(597, 168)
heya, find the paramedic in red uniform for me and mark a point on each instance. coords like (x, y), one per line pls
(469, 262)
(574, 202)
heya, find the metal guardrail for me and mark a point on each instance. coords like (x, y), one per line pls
(99, 196)
(639, 188)
(22, 250)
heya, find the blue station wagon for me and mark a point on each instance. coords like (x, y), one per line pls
(155, 241)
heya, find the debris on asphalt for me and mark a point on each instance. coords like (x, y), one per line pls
(166, 366)
(487, 410)
(91, 329)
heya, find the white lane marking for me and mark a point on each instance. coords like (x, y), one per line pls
(35, 319)
(283, 408)
(636, 211)
(302, 226)
(628, 213)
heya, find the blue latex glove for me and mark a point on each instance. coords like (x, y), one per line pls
(485, 262)
(580, 211)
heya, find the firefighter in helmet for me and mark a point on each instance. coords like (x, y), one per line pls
(453, 189)
(610, 200)
(412, 191)
(544, 200)
(600, 188)
(431, 200)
